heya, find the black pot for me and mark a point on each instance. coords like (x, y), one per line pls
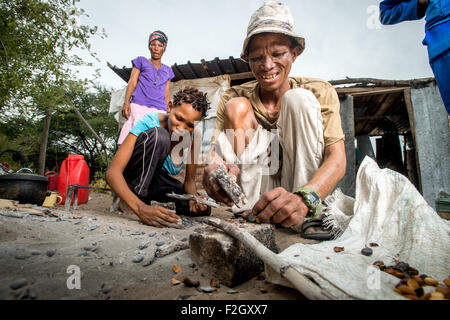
(25, 188)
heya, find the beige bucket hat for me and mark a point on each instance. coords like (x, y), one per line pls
(273, 17)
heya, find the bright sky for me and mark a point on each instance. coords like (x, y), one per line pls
(343, 38)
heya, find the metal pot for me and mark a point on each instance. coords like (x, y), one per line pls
(25, 188)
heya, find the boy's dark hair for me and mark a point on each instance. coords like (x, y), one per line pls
(192, 96)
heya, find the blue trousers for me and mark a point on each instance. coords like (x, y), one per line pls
(441, 70)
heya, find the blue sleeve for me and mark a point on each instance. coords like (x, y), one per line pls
(149, 121)
(137, 63)
(396, 11)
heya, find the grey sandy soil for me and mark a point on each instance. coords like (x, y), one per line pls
(105, 258)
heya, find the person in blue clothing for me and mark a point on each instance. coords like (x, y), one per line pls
(437, 34)
(140, 170)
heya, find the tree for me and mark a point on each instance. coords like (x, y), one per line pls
(36, 39)
(67, 135)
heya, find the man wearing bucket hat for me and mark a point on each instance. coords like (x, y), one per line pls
(302, 115)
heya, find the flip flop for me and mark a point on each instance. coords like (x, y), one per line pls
(320, 236)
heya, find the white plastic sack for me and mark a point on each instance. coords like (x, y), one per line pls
(116, 104)
(389, 211)
(214, 87)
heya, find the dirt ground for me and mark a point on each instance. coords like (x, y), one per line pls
(103, 245)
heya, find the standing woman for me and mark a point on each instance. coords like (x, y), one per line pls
(148, 87)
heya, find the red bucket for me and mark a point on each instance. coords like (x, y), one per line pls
(52, 180)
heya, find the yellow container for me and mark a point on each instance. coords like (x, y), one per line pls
(52, 200)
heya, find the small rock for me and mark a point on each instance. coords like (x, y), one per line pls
(111, 264)
(106, 289)
(139, 233)
(143, 246)
(367, 251)
(231, 291)
(94, 244)
(160, 243)
(192, 265)
(91, 227)
(29, 294)
(51, 253)
(88, 248)
(152, 234)
(21, 257)
(184, 239)
(19, 283)
(113, 227)
(138, 258)
(207, 289)
(35, 253)
(150, 262)
(83, 254)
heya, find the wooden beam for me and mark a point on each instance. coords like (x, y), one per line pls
(243, 75)
(381, 82)
(377, 92)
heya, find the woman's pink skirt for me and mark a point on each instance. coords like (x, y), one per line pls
(137, 113)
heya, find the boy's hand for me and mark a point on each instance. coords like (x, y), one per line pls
(157, 216)
(212, 187)
(197, 208)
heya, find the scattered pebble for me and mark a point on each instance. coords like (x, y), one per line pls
(88, 248)
(35, 253)
(192, 265)
(83, 254)
(338, 249)
(106, 289)
(190, 283)
(29, 294)
(139, 233)
(51, 253)
(367, 251)
(184, 239)
(150, 262)
(113, 227)
(207, 289)
(21, 257)
(138, 258)
(111, 264)
(160, 243)
(231, 291)
(152, 234)
(19, 283)
(297, 255)
(143, 246)
(91, 227)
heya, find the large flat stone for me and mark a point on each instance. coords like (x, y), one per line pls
(227, 258)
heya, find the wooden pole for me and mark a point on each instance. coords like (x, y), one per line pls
(308, 288)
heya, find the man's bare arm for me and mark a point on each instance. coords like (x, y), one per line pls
(282, 206)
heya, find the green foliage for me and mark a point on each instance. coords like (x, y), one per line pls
(36, 37)
(68, 135)
(36, 63)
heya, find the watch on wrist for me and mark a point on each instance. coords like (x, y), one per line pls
(312, 201)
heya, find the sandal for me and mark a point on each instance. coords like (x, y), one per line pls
(320, 236)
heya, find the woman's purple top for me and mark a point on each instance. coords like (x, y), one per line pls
(151, 86)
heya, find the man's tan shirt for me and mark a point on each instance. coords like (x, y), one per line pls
(323, 90)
